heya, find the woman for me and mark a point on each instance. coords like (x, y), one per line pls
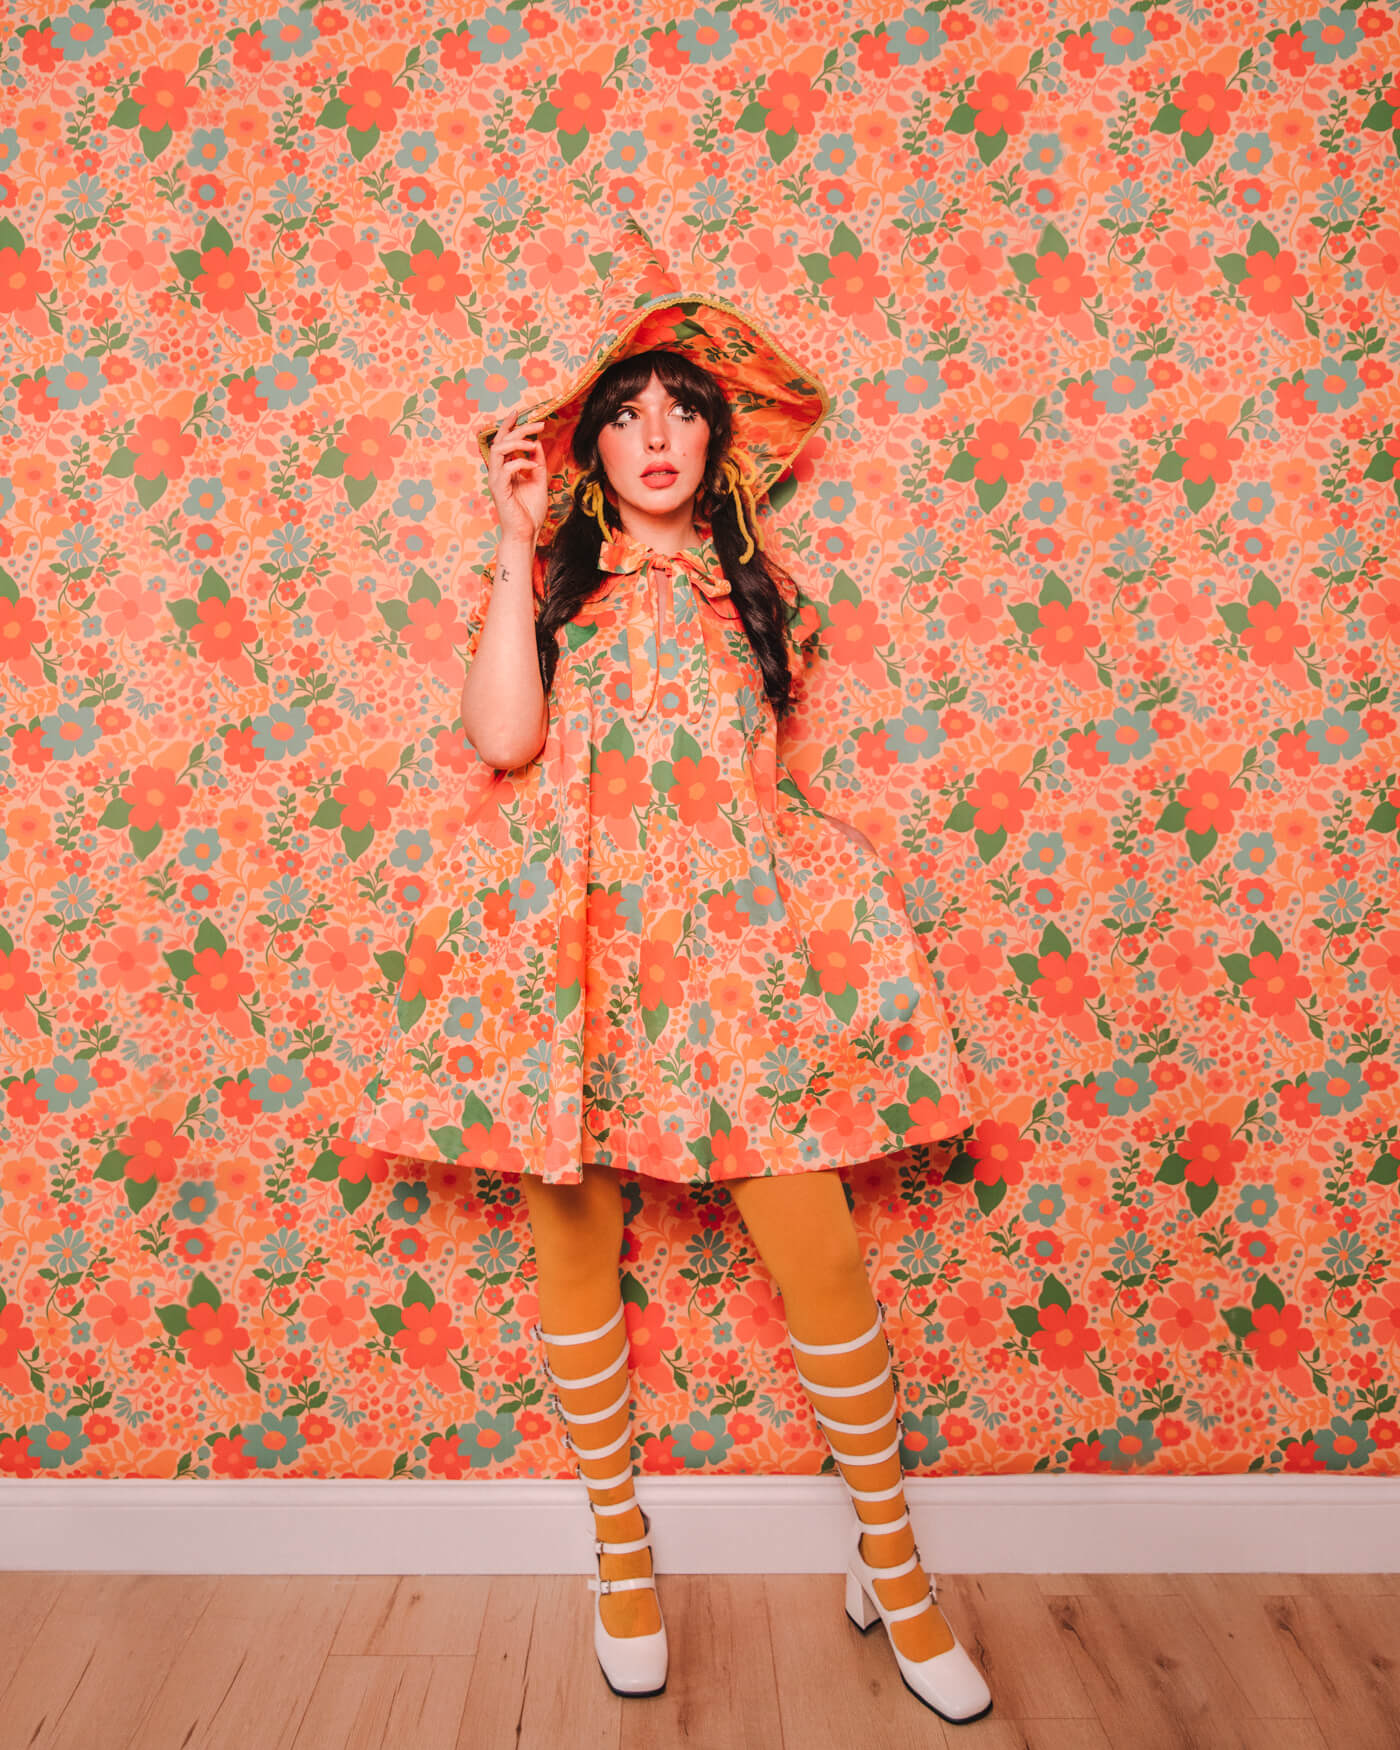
(730, 965)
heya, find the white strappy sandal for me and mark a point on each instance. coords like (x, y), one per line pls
(634, 1665)
(949, 1682)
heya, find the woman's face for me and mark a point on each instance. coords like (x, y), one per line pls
(653, 452)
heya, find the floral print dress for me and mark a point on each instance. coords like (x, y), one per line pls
(652, 951)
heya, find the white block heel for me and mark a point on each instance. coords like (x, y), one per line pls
(861, 1609)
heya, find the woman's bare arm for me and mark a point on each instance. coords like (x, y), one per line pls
(505, 714)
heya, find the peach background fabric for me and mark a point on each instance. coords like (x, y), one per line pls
(1103, 531)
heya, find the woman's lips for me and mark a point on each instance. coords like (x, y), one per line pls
(659, 477)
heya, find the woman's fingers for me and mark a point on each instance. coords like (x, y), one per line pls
(508, 430)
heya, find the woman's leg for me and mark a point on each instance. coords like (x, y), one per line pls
(807, 1240)
(578, 1241)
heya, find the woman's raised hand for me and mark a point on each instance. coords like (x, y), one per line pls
(517, 477)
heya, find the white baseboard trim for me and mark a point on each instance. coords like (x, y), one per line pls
(701, 1525)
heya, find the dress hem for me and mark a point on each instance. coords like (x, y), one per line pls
(922, 1137)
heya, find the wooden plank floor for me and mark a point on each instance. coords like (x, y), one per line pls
(1075, 1662)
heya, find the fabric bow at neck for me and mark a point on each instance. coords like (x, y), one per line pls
(648, 588)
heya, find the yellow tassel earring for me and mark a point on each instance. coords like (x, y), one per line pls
(592, 501)
(743, 501)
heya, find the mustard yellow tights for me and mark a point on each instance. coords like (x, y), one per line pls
(807, 1240)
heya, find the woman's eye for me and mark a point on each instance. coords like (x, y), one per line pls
(687, 413)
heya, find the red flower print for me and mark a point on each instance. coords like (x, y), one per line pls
(1208, 451)
(425, 967)
(998, 103)
(697, 790)
(1000, 452)
(1064, 633)
(791, 102)
(1061, 284)
(1000, 1152)
(1206, 102)
(370, 447)
(1279, 1338)
(225, 279)
(435, 282)
(222, 628)
(839, 962)
(155, 797)
(366, 798)
(159, 447)
(620, 783)
(1211, 1153)
(213, 1335)
(372, 99)
(432, 629)
(999, 800)
(1275, 984)
(733, 1156)
(1065, 984)
(23, 278)
(1271, 282)
(650, 1336)
(219, 980)
(428, 1334)
(856, 283)
(166, 97)
(582, 101)
(758, 1314)
(1274, 634)
(660, 1458)
(663, 974)
(1210, 800)
(1065, 1337)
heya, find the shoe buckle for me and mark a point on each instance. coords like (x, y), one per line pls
(605, 1585)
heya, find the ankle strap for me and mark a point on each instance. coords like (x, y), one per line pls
(842, 1348)
(615, 1481)
(856, 1427)
(886, 1529)
(602, 1548)
(909, 1609)
(578, 1381)
(845, 1391)
(895, 1573)
(623, 1439)
(597, 1415)
(868, 1457)
(621, 1585)
(875, 1494)
(582, 1336)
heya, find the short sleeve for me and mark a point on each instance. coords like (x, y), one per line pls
(476, 620)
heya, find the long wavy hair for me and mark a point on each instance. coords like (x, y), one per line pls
(572, 575)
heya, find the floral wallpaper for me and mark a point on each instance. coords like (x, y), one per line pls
(1104, 539)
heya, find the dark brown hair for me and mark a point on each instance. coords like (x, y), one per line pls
(571, 571)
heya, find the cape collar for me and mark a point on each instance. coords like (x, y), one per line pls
(624, 553)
